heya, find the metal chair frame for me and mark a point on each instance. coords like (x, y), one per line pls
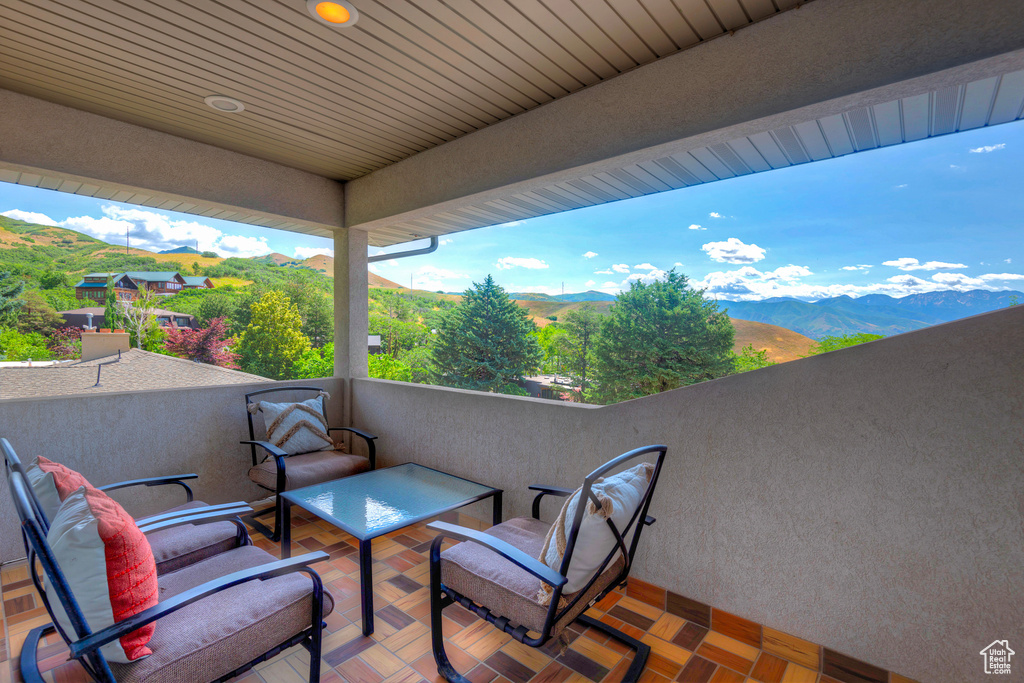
(441, 595)
(85, 644)
(280, 457)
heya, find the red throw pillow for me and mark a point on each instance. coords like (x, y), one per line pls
(109, 566)
(64, 478)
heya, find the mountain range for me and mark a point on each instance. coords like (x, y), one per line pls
(589, 295)
(180, 250)
(874, 313)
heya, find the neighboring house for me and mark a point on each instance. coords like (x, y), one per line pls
(554, 387)
(127, 285)
(197, 282)
(93, 286)
(79, 317)
(161, 283)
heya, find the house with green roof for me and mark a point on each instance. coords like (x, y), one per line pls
(93, 286)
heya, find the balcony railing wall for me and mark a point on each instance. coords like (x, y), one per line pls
(868, 499)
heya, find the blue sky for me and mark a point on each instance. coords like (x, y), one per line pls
(944, 213)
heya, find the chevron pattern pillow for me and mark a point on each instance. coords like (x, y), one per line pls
(296, 427)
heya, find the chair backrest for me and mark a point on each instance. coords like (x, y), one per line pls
(249, 416)
(37, 549)
(12, 463)
(636, 520)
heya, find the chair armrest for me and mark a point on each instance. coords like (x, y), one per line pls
(545, 491)
(509, 552)
(267, 571)
(152, 519)
(357, 432)
(369, 438)
(178, 479)
(268, 447)
(227, 515)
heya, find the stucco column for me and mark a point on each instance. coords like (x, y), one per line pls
(351, 316)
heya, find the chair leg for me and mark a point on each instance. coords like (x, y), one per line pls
(642, 651)
(28, 662)
(438, 601)
(272, 534)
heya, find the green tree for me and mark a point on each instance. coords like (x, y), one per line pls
(37, 315)
(316, 363)
(17, 346)
(111, 308)
(553, 340)
(10, 289)
(582, 327)
(272, 342)
(318, 320)
(215, 305)
(748, 359)
(484, 343)
(53, 279)
(842, 341)
(421, 364)
(383, 366)
(660, 336)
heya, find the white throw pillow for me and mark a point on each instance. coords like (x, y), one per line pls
(297, 427)
(44, 487)
(620, 495)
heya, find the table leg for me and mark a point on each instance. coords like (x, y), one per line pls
(497, 508)
(366, 585)
(285, 520)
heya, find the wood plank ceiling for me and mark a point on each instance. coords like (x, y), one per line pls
(411, 74)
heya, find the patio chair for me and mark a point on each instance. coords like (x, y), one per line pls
(497, 574)
(174, 546)
(215, 618)
(281, 470)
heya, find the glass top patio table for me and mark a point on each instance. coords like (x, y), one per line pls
(375, 503)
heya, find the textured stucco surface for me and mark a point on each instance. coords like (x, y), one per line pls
(837, 53)
(871, 500)
(52, 139)
(131, 435)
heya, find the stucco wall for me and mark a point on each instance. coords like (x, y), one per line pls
(871, 500)
(117, 436)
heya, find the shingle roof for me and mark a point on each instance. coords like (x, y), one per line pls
(195, 279)
(136, 371)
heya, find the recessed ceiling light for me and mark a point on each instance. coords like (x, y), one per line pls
(338, 13)
(224, 104)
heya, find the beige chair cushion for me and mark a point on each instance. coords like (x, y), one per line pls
(309, 468)
(216, 635)
(179, 546)
(492, 581)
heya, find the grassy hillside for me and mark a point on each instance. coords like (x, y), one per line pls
(781, 344)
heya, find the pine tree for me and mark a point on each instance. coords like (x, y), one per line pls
(272, 341)
(111, 308)
(10, 288)
(484, 343)
(660, 336)
(582, 327)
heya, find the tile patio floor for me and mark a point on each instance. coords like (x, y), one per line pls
(689, 641)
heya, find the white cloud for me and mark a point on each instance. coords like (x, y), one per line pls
(29, 217)
(1001, 276)
(510, 224)
(733, 250)
(590, 283)
(157, 232)
(714, 214)
(900, 187)
(646, 278)
(956, 168)
(620, 268)
(788, 273)
(306, 252)
(678, 264)
(1007, 260)
(645, 266)
(694, 226)
(957, 280)
(590, 254)
(603, 272)
(520, 262)
(432, 278)
(859, 266)
(913, 264)
(988, 148)
(446, 240)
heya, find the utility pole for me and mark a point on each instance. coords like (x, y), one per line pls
(127, 230)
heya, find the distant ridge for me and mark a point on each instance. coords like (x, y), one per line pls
(589, 295)
(179, 250)
(874, 313)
